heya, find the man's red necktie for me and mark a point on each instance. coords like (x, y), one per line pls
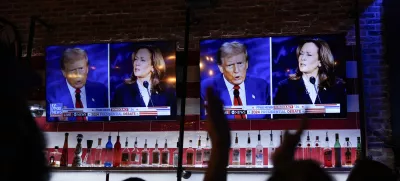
(78, 104)
(238, 102)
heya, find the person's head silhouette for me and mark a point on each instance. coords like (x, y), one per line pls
(301, 170)
(23, 142)
(133, 179)
(371, 170)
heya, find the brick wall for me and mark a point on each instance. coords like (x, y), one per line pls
(86, 21)
(376, 83)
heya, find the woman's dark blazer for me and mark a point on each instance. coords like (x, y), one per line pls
(128, 95)
(294, 92)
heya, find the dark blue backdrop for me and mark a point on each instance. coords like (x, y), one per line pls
(98, 62)
(257, 50)
(284, 60)
(121, 61)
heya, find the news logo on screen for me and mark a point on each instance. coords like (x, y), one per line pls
(56, 109)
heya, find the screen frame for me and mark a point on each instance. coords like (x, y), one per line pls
(172, 117)
(343, 35)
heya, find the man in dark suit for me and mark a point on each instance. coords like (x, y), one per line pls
(233, 86)
(75, 91)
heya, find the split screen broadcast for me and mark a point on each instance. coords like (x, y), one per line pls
(256, 78)
(276, 77)
(116, 81)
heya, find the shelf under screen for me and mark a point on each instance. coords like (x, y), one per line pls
(114, 111)
(283, 109)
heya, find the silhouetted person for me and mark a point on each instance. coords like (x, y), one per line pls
(23, 144)
(133, 179)
(219, 131)
(285, 167)
(300, 170)
(367, 169)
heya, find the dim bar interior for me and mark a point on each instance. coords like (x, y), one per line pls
(110, 109)
(122, 124)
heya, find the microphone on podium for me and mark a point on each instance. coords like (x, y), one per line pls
(146, 85)
(236, 96)
(236, 93)
(312, 80)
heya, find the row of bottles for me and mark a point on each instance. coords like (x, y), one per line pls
(327, 156)
(118, 156)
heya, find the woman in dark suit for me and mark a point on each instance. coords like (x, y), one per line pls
(314, 81)
(145, 87)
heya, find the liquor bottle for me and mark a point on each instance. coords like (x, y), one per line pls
(88, 160)
(338, 152)
(249, 152)
(317, 150)
(190, 155)
(165, 155)
(145, 155)
(358, 151)
(327, 153)
(308, 149)
(176, 155)
(299, 155)
(259, 152)
(199, 153)
(271, 149)
(97, 155)
(55, 156)
(77, 162)
(347, 154)
(64, 155)
(156, 156)
(125, 161)
(206, 151)
(117, 153)
(135, 154)
(236, 152)
(51, 161)
(108, 158)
